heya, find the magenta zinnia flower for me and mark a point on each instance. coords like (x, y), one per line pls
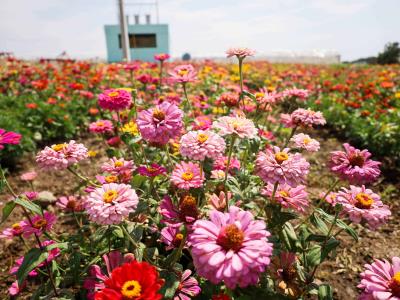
(183, 74)
(161, 57)
(188, 287)
(39, 224)
(118, 166)
(288, 197)
(61, 156)
(111, 203)
(186, 212)
(15, 230)
(187, 175)
(240, 53)
(198, 145)
(354, 165)
(381, 280)
(9, 137)
(152, 171)
(275, 165)
(242, 127)
(115, 99)
(230, 247)
(361, 204)
(303, 141)
(160, 124)
(71, 203)
(172, 236)
(101, 126)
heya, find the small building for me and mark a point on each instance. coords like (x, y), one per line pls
(145, 40)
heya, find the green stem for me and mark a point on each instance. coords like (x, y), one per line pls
(290, 136)
(233, 138)
(187, 99)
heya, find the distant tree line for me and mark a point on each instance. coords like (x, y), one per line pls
(390, 55)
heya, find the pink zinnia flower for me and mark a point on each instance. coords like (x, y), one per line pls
(29, 176)
(15, 289)
(39, 224)
(198, 145)
(187, 175)
(295, 92)
(303, 117)
(275, 165)
(118, 166)
(303, 141)
(115, 99)
(152, 171)
(71, 203)
(101, 126)
(222, 162)
(172, 236)
(188, 287)
(266, 98)
(111, 203)
(161, 57)
(183, 74)
(230, 247)
(242, 127)
(31, 195)
(381, 280)
(361, 204)
(160, 124)
(219, 202)
(15, 230)
(186, 212)
(9, 137)
(61, 156)
(288, 197)
(240, 53)
(202, 123)
(354, 165)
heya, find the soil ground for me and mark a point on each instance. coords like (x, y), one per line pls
(341, 273)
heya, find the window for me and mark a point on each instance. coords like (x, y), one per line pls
(142, 40)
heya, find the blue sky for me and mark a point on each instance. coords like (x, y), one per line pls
(354, 28)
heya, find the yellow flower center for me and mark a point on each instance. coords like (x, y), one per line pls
(395, 284)
(131, 289)
(40, 224)
(110, 196)
(158, 115)
(259, 95)
(179, 236)
(187, 176)
(183, 72)
(111, 178)
(306, 141)
(364, 201)
(113, 94)
(280, 157)
(202, 137)
(188, 207)
(16, 226)
(58, 147)
(284, 194)
(230, 237)
(118, 163)
(92, 153)
(100, 123)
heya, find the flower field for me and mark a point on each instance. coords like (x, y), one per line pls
(199, 180)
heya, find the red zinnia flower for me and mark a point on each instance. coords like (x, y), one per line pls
(133, 280)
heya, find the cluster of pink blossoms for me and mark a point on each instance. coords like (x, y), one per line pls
(160, 124)
(230, 247)
(279, 166)
(115, 99)
(61, 156)
(198, 145)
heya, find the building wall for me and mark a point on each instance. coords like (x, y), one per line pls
(114, 52)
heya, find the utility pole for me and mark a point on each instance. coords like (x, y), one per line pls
(124, 32)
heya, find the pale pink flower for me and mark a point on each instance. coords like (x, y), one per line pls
(160, 124)
(183, 74)
(29, 176)
(187, 175)
(219, 202)
(381, 280)
(118, 166)
(266, 98)
(303, 117)
(297, 93)
(354, 165)
(230, 247)
(242, 127)
(240, 53)
(111, 203)
(275, 165)
(361, 204)
(188, 287)
(222, 162)
(199, 145)
(61, 156)
(288, 197)
(40, 224)
(71, 203)
(101, 126)
(303, 141)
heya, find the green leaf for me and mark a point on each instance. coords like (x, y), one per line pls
(348, 229)
(325, 292)
(288, 236)
(319, 224)
(7, 210)
(313, 256)
(31, 260)
(29, 205)
(170, 285)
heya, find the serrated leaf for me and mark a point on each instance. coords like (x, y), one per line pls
(7, 210)
(31, 260)
(29, 205)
